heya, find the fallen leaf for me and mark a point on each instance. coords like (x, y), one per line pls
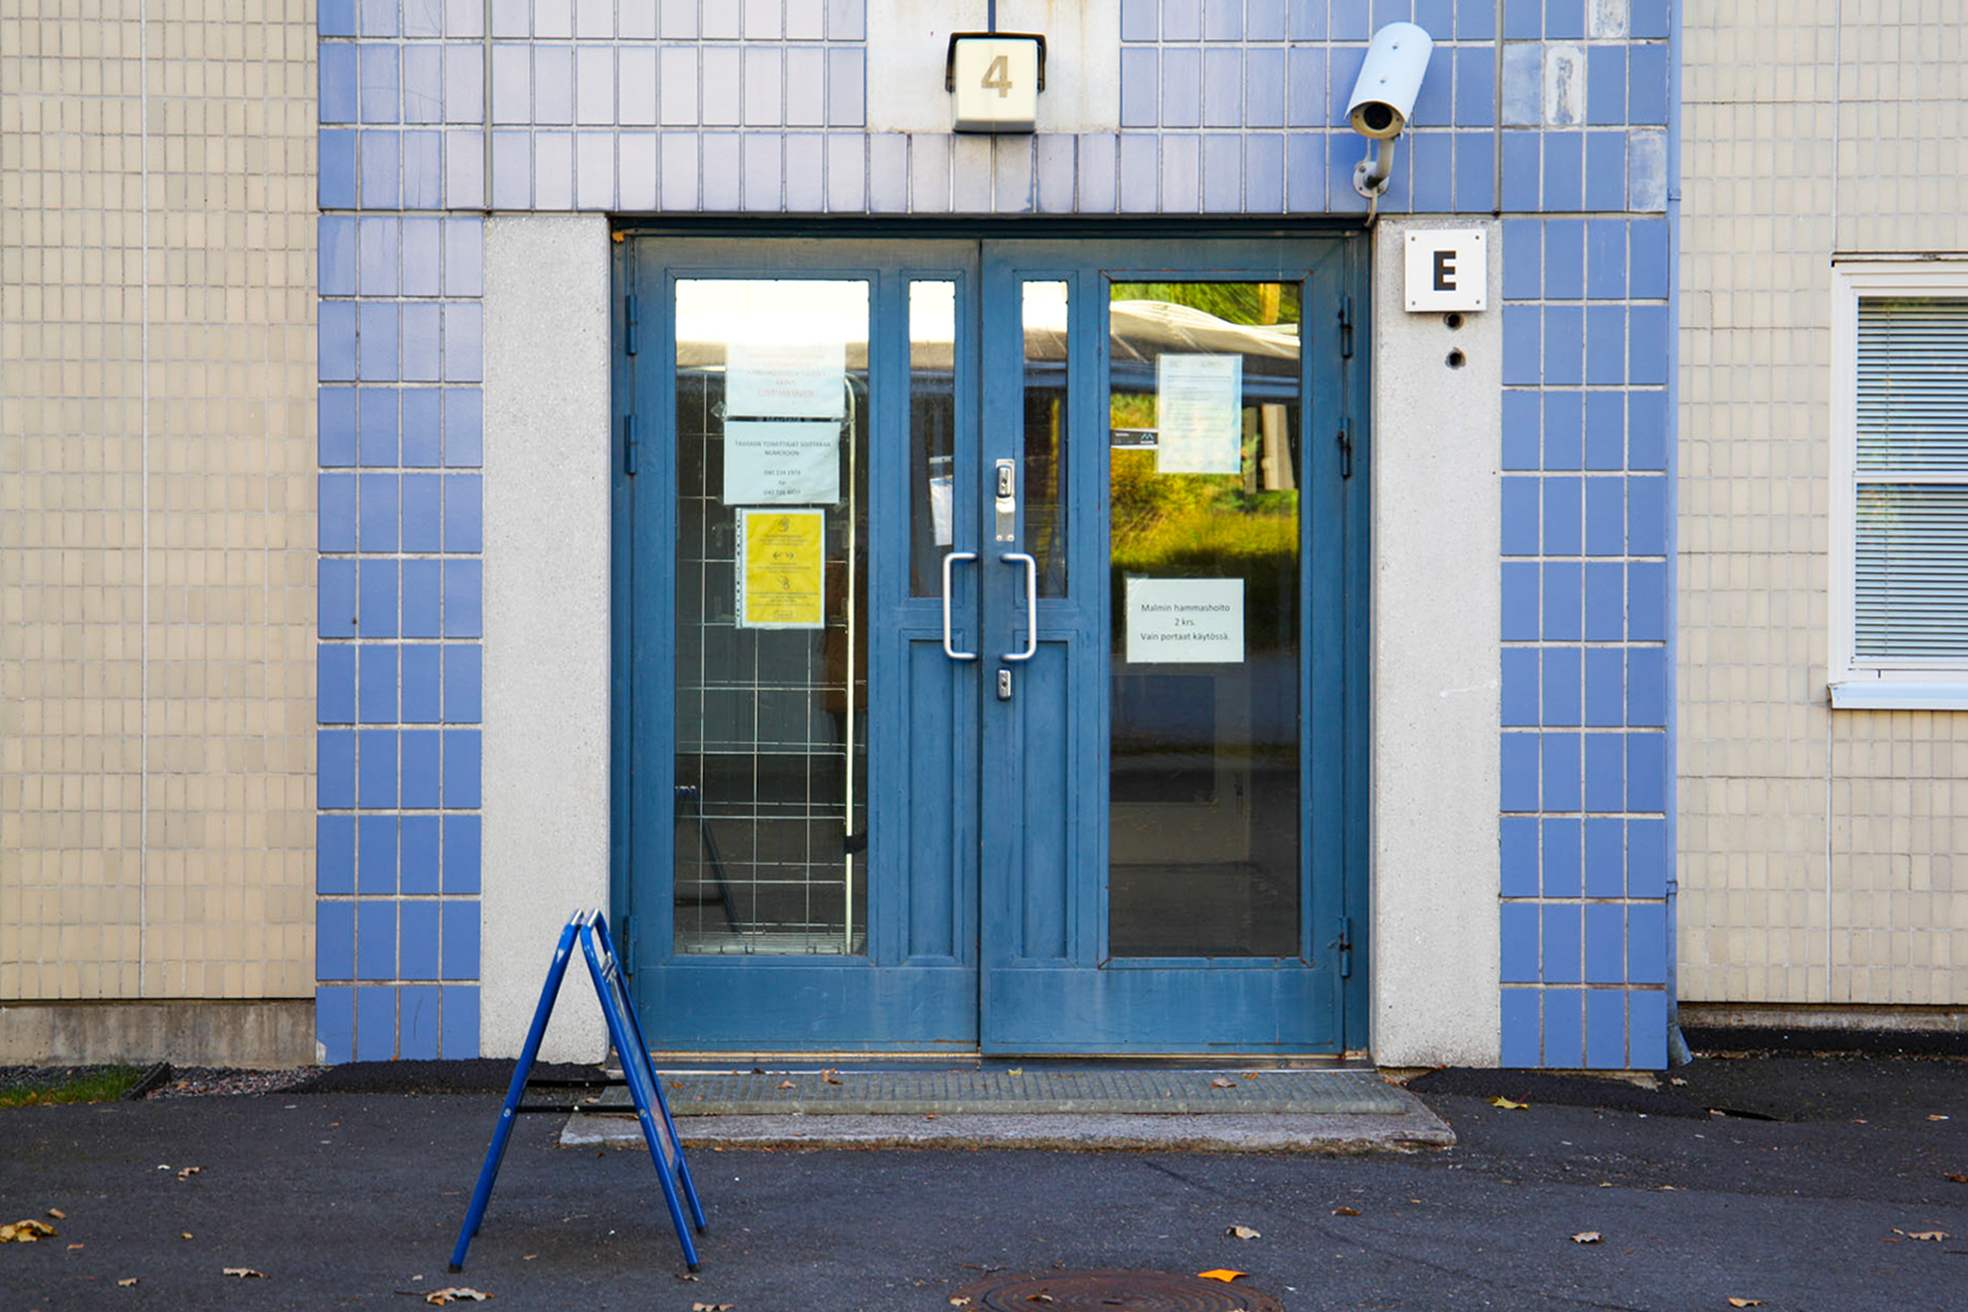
(1250, 1075)
(830, 1077)
(184, 1234)
(58, 1214)
(125, 1284)
(1957, 1177)
(455, 1294)
(1508, 1105)
(783, 1084)
(1745, 1302)
(245, 1273)
(1586, 1237)
(1222, 1083)
(529, 1257)
(712, 1307)
(189, 1171)
(1220, 1274)
(25, 1232)
(1344, 1211)
(73, 1247)
(1933, 1117)
(959, 1302)
(1676, 1080)
(1929, 1236)
(1016, 1070)
(1242, 1232)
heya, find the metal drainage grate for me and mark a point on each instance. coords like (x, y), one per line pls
(1109, 1291)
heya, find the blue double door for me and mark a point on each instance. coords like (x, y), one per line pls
(989, 645)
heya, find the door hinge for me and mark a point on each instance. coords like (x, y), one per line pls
(1345, 327)
(629, 325)
(1344, 946)
(630, 441)
(1345, 440)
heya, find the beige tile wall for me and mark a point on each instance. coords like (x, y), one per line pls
(1816, 849)
(156, 499)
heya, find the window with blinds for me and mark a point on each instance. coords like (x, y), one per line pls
(1910, 484)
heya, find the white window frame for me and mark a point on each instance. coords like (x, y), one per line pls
(1873, 685)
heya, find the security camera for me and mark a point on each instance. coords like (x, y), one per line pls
(1384, 96)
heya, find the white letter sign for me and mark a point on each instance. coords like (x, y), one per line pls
(775, 462)
(785, 380)
(1185, 621)
(1447, 270)
(1198, 414)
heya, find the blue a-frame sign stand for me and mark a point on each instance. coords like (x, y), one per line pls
(652, 1109)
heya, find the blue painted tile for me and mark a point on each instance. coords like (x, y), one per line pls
(1562, 602)
(1431, 155)
(1522, 431)
(1646, 421)
(1520, 517)
(417, 948)
(376, 333)
(1523, 259)
(335, 423)
(423, 601)
(334, 1023)
(1605, 689)
(335, 591)
(1223, 87)
(334, 940)
(1605, 84)
(1520, 171)
(1564, 345)
(1646, 771)
(462, 598)
(418, 1018)
(1435, 105)
(423, 84)
(1646, 943)
(764, 83)
(1305, 172)
(1648, 19)
(378, 683)
(1520, 686)
(1647, 601)
(1563, 951)
(376, 762)
(1519, 765)
(1182, 20)
(1605, 601)
(375, 940)
(806, 86)
(1560, 704)
(335, 171)
(1140, 172)
(377, 616)
(1648, 346)
(461, 853)
(1181, 87)
(1475, 188)
(1605, 1029)
(464, 257)
(1519, 933)
(1264, 20)
(376, 410)
(1605, 430)
(423, 769)
(1563, 427)
(1646, 858)
(1650, 275)
(1648, 96)
(1562, 521)
(334, 757)
(1647, 514)
(1343, 153)
(422, 426)
(381, 100)
(421, 241)
(1475, 85)
(422, 686)
(1564, 20)
(334, 855)
(1264, 173)
(419, 862)
(463, 325)
(1559, 867)
(1646, 687)
(423, 512)
(1140, 20)
(375, 1024)
(1564, 259)
(335, 337)
(1264, 87)
(1348, 20)
(335, 17)
(376, 859)
(464, 171)
(334, 695)
(461, 769)
(1605, 171)
(1605, 857)
(1605, 770)
(378, 17)
(1522, 346)
(460, 1036)
(512, 170)
(1560, 766)
(335, 524)
(1305, 92)
(1564, 171)
(378, 527)
(553, 84)
(1520, 602)
(553, 170)
(1223, 22)
(1646, 1030)
(338, 82)
(1520, 1028)
(463, 683)
(1523, 87)
(1518, 856)
(464, 412)
(1605, 516)
(460, 934)
(381, 157)
(1605, 259)
(335, 261)
(464, 84)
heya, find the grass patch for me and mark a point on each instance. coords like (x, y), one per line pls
(52, 1087)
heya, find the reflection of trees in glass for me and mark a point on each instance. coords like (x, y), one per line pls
(1255, 303)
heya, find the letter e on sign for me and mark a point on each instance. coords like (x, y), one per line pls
(1447, 269)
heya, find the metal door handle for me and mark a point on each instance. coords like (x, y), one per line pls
(1031, 605)
(950, 558)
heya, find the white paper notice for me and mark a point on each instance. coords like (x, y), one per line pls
(1198, 414)
(1185, 621)
(768, 463)
(940, 507)
(786, 380)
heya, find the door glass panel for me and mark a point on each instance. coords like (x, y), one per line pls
(932, 431)
(1203, 475)
(1044, 489)
(771, 623)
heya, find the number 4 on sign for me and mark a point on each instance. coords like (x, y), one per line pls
(997, 77)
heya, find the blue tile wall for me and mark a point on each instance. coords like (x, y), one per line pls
(1558, 112)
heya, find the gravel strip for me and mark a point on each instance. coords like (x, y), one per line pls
(185, 1081)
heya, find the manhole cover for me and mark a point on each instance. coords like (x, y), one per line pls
(1110, 1291)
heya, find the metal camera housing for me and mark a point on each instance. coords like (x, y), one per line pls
(1383, 98)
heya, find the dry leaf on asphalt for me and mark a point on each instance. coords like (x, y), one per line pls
(1956, 1176)
(712, 1307)
(245, 1273)
(1220, 1274)
(1344, 1211)
(1242, 1232)
(25, 1232)
(58, 1214)
(189, 1171)
(1038, 1298)
(184, 1234)
(1929, 1236)
(959, 1302)
(1016, 1070)
(455, 1294)
(1935, 1117)
(1745, 1302)
(1220, 1083)
(1586, 1237)
(73, 1247)
(783, 1084)
(830, 1077)
(125, 1284)
(1508, 1105)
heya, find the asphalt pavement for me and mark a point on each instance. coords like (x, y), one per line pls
(1815, 1187)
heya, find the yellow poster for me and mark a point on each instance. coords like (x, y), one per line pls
(781, 555)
